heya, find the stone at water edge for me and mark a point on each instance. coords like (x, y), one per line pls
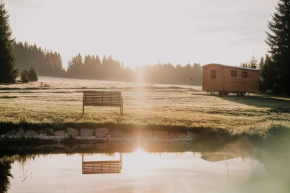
(72, 132)
(87, 132)
(181, 135)
(49, 131)
(161, 134)
(191, 135)
(117, 133)
(173, 135)
(21, 131)
(60, 133)
(133, 134)
(7, 133)
(101, 132)
(147, 134)
(30, 133)
(41, 132)
(13, 132)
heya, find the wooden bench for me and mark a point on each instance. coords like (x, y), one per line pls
(102, 98)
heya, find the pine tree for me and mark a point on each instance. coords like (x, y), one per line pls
(24, 76)
(267, 76)
(279, 41)
(261, 64)
(32, 74)
(8, 73)
(253, 63)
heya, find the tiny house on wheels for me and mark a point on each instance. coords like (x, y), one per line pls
(230, 79)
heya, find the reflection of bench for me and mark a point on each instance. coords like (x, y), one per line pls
(100, 167)
(102, 98)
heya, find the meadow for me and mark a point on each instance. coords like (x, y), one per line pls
(59, 101)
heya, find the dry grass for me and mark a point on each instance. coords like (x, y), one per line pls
(60, 101)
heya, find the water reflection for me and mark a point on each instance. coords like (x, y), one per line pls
(101, 167)
(5, 174)
(239, 165)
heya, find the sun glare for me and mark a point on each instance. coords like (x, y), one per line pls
(141, 162)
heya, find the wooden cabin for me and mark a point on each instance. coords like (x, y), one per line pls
(229, 79)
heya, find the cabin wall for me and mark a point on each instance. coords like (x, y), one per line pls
(239, 83)
(214, 85)
(254, 82)
(227, 83)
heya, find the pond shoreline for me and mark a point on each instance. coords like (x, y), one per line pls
(34, 134)
(38, 134)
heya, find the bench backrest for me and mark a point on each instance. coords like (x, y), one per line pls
(102, 98)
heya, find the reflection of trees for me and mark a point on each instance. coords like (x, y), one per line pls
(275, 154)
(5, 169)
(5, 174)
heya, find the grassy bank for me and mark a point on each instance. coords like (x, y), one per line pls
(57, 103)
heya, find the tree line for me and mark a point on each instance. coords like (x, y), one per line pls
(275, 67)
(48, 63)
(92, 67)
(169, 74)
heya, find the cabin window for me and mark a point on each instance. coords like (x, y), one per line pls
(213, 74)
(234, 73)
(245, 74)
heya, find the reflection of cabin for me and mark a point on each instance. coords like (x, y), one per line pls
(218, 156)
(229, 79)
(101, 167)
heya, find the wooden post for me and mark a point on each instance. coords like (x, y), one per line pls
(83, 103)
(121, 107)
(190, 83)
(82, 163)
(121, 160)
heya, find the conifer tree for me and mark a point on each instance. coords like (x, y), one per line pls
(32, 74)
(278, 40)
(24, 76)
(261, 64)
(253, 63)
(8, 73)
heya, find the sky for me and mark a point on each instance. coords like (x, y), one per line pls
(145, 32)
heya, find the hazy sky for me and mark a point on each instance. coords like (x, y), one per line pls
(140, 32)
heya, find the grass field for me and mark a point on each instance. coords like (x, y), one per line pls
(58, 100)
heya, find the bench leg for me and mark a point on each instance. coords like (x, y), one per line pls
(121, 110)
(83, 110)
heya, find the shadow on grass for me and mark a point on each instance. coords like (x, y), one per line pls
(279, 104)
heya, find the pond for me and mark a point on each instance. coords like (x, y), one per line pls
(237, 166)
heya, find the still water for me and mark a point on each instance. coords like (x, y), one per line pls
(232, 168)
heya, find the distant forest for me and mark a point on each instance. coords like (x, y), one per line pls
(48, 63)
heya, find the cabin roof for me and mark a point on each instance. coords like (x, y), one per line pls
(228, 66)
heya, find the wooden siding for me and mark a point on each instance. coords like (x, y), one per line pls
(209, 84)
(224, 82)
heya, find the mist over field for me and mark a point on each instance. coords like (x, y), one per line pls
(136, 96)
